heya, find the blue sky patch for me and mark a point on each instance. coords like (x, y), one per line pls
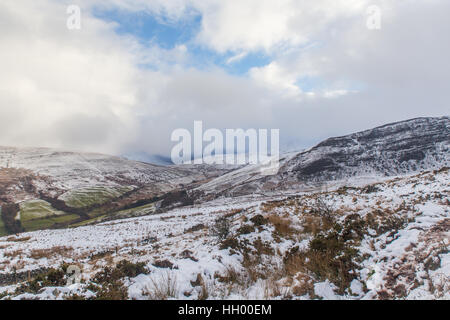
(156, 29)
(147, 27)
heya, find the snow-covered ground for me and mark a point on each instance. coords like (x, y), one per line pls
(63, 170)
(401, 247)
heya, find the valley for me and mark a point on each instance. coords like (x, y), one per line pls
(364, 216)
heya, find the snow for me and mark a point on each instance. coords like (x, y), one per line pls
(128, 239)
(325, 290)
(72, 170)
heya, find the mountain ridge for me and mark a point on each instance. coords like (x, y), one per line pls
(73, 188)
(392, 149)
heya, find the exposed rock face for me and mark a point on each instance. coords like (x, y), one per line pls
(393, 149)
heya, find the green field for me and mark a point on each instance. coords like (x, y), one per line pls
(37, 209)
(45, 223)
(39, 214)
(129, 213)
(82, 198)
(134, 212)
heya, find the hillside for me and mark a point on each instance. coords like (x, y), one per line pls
(363, 216)
(45, 188)
(393, 149)
(387, 240)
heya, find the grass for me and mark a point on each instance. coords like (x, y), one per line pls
(331, 254)
(37, 209)
(59, 251)
(283, 226)
(162, 288)
(88, 222)
(108, 283)
(46, 223)
(142, 210)
(39, 214)
(20, 239)
(129, 213)
(3, 231)
(123, 214)
(51, 278)
(86, 197)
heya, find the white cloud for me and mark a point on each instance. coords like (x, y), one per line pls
(86, 89)
(277, 78)
(56, 78)
(268, 25)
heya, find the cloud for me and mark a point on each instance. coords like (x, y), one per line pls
(255, 25)
(50, 73)
(95, 90)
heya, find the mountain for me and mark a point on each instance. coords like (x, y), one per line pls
(362, 216)
(43, 188)
(389, 241)
(46, 188)
(394, 149)
(148, 158)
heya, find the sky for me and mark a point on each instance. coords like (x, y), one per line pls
(136, 70)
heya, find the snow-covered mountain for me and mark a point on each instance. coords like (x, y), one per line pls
(388, 240)
(148, 158)
(393, 149)
(70, 170)
(80, 186)
(363, 216)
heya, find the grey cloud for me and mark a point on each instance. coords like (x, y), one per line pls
(86, 91)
